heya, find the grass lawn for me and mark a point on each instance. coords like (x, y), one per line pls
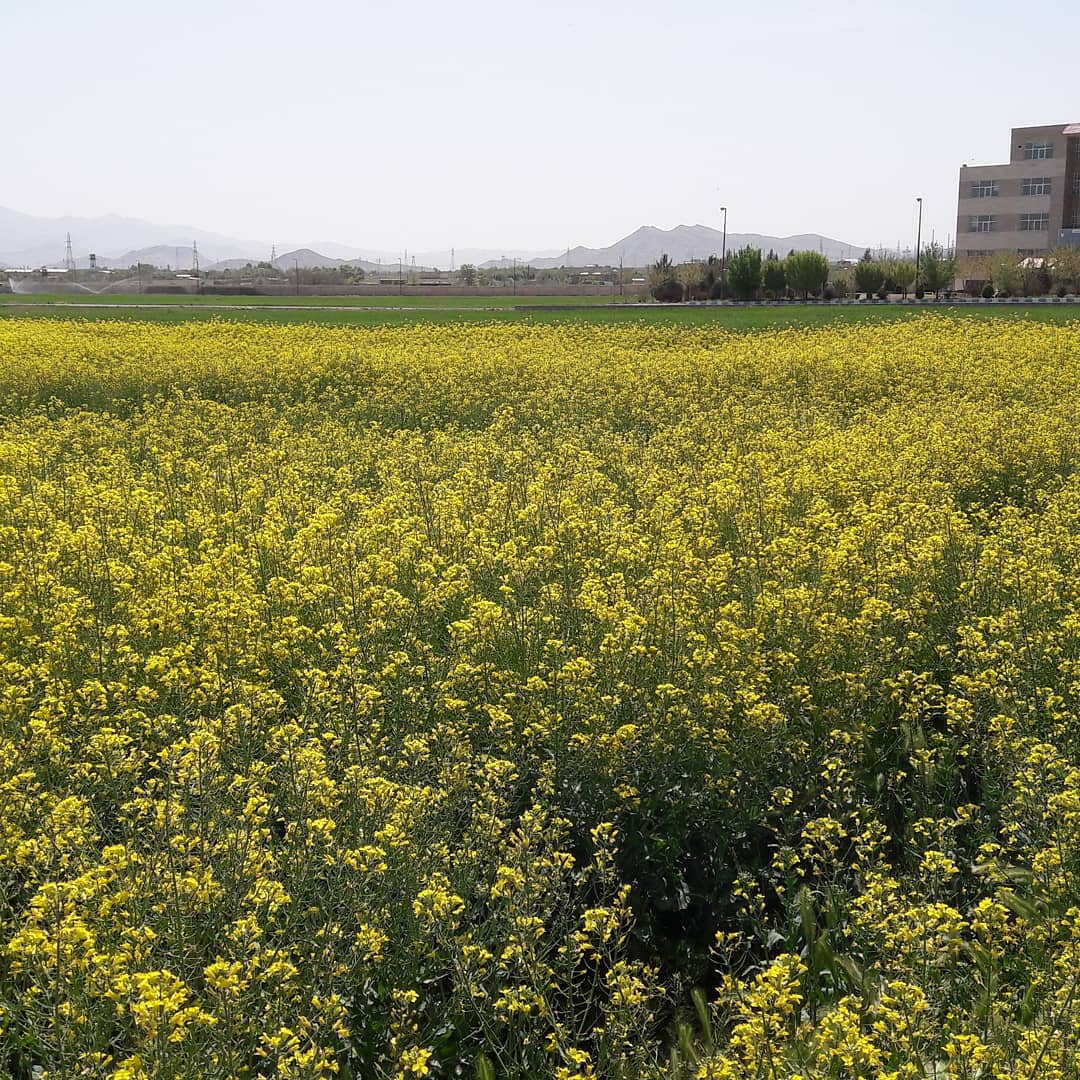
(505, 299)
(327, 311)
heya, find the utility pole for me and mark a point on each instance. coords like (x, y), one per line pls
(918, 243)
(296, 270)
(723, 259)
(195, 265)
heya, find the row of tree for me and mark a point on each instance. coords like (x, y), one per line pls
(750, 276)
(934, 272)
(467, 274)
(747, 276)
(1003, 274)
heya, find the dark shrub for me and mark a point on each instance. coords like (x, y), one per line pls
(668, 292)
(987, 291)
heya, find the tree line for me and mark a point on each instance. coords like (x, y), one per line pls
(749, 275)
(1004, 274)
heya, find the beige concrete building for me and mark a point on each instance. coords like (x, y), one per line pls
(1031, 204)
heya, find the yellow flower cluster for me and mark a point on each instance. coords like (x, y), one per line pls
(525, 701)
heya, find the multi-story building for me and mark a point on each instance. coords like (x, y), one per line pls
(1030, 205)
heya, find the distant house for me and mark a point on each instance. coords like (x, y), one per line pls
(593, 275)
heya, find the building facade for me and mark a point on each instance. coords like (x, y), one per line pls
(1029, 205)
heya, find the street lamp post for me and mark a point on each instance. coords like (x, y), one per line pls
(918, 244)
(723, 259)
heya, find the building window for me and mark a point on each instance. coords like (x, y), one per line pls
(1034, 222)
(1037, 151)
(1075, 218)
(1036, 185)
(982, 223)
(983, 189)
(1076, 184)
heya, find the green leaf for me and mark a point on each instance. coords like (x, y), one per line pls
(701, 1007)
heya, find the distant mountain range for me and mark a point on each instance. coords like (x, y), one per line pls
(686, 242)
(118, 242)
(26, 240)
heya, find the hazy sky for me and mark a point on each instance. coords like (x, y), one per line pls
(425, 124)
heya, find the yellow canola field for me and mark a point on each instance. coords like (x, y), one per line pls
(539, 701)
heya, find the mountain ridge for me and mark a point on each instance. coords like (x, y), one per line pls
(686, 242)
(119, 242)
(28, 240)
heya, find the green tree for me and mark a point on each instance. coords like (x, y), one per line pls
(938, 270)
(773, 275)
(903, 274)
(869, 276)
(467, 274)
(744, 273)
(806, 271)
